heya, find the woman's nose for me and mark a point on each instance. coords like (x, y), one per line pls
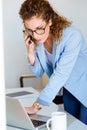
(35, 36)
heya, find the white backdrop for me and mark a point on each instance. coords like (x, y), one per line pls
(75, 10)
(2, 78)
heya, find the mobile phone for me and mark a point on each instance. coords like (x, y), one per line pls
(30, 39)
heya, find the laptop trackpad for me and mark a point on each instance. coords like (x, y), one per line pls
(38, 120)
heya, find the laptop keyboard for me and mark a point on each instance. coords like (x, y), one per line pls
(37, 123)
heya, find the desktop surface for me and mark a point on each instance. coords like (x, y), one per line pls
(73, 123)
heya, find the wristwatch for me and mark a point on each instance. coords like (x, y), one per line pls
(37, 106)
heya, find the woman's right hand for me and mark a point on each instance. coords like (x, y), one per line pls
(31, 110)
(34, 108)
(29, 44)
(30, 48)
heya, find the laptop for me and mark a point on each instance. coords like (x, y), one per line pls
(17, 116)
(20, 94)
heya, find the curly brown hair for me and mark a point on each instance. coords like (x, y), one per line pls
(43, 9)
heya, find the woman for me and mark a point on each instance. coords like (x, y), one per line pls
(56, 47)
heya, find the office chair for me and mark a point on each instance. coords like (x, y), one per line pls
(22, 77)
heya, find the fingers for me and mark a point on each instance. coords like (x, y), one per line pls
(27, 40)
(29, 44)
(31, 110)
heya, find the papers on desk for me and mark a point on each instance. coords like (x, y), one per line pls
(22, 94)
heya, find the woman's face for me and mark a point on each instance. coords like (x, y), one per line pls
(38, 28)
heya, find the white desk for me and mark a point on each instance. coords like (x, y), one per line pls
(73, 123)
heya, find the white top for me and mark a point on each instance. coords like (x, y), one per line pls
(49, 57)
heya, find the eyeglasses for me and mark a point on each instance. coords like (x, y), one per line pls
(38, 31)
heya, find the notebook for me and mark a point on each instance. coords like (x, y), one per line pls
(16, 116)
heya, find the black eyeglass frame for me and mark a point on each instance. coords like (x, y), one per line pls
(31, 32)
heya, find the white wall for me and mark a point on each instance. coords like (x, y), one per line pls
(15, 50)
(2, 81)
(15, 54)
(74, 10)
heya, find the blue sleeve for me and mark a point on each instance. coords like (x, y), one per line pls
(37, 69)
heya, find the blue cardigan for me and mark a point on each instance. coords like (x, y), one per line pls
(69, 67)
